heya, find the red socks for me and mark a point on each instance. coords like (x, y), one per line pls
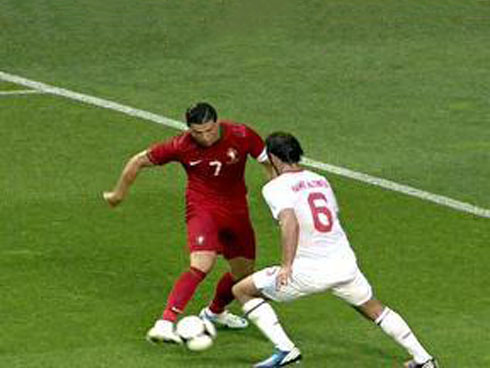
(223, 295)
(182, 292)
(185, 287)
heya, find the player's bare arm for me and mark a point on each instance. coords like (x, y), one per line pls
(127, 177)
(289, 239)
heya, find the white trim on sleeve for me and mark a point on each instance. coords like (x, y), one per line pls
(263, 156)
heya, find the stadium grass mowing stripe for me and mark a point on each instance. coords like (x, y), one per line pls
(384, 183)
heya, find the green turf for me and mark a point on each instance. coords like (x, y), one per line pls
(392, 88)
(5, 86)
(396, 88)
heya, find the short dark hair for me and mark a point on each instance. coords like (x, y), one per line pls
(284, 146)
(200, 113)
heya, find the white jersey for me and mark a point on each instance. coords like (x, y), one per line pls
(321, 236)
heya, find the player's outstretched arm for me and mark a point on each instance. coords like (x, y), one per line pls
(127, 177)
(289, 238)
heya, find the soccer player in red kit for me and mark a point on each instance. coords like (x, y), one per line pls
(213, 153)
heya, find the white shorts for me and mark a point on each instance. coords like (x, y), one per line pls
(308, 278)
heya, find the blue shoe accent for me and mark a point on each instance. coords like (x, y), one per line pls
(280, 359)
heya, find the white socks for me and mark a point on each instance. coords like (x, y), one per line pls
(394, 325)
(263, 316)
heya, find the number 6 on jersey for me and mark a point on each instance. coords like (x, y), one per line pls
(322, 217)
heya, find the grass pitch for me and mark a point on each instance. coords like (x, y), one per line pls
(392, 88)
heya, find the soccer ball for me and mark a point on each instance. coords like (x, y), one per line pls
(197, 333)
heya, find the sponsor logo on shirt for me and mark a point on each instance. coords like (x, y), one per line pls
(194, 163)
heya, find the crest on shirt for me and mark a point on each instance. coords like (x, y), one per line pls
(232, 155)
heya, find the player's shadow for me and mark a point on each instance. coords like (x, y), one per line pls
(335, 352)
(339, 351)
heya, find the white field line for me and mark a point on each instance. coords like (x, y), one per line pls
(20, 92)
(383, 183)
(46, 88)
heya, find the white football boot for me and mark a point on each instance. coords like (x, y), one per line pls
(225, 318)
(163, 331)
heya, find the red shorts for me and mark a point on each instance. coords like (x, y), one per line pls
(229, 235)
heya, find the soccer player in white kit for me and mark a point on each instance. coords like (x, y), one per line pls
(316, 257)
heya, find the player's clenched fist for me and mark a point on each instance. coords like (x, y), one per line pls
(112, 198)
(283, 276)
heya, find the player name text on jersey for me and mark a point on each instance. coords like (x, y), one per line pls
(302, 185)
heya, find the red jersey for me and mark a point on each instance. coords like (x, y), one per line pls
(215, 175)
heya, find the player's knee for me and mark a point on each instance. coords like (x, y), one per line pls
(241, 268)
(237, 290)
(240, 292)
(197, 273)
(372, 309)
(203, 261)
(240, 275)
